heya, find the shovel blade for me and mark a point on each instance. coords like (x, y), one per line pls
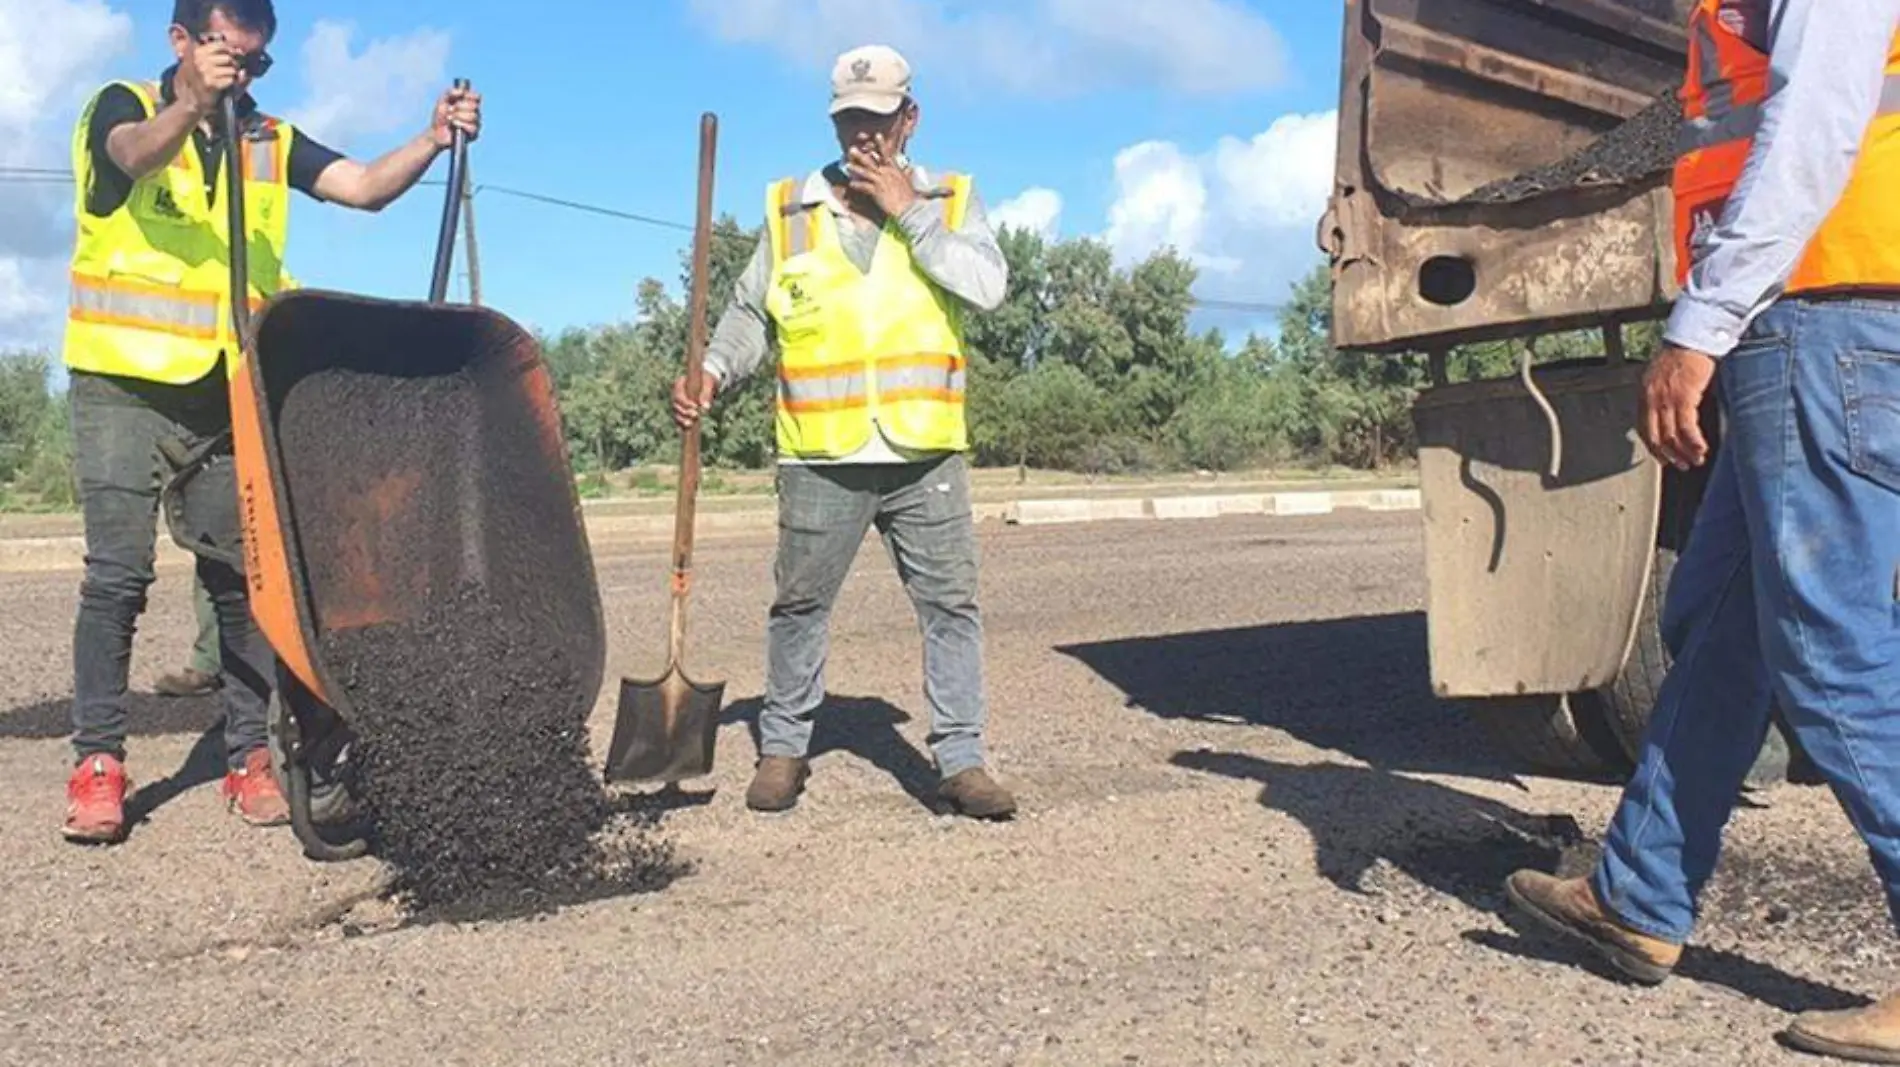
(664, 731)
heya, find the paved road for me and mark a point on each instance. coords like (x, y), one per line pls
(1250, 837)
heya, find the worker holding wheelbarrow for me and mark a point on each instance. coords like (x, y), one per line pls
(149, 346)
(865, 271)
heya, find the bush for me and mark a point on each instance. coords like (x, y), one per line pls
(28, 411)
(1230, 427)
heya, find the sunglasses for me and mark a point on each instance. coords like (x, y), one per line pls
(256, 64)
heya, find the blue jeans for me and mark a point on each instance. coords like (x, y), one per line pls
(1787, 589)
(923, 511)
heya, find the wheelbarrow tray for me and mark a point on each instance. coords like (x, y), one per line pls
(391, 454)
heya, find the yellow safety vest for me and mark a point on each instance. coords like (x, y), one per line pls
(861, 350)
(151, 281)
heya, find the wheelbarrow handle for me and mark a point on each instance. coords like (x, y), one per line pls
(240, 237)
(451, 209)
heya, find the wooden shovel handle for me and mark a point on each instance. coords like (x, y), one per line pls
(687, 508)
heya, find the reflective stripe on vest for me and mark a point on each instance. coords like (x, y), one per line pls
(1723, 94)
(117, 302)
(901, 377)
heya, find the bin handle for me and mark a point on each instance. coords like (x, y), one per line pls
(240, 237)
(451, 209)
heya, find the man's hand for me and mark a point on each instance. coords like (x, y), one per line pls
(205, 75)
(1673, 388)
(457, 109)
(687, 410)
(875, 177)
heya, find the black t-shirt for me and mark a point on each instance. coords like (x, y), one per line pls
(119, 105)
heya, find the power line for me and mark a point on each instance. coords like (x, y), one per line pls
(50, 175)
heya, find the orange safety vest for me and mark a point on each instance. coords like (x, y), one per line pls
(1858, 243)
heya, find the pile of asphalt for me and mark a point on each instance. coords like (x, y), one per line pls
(1642, 147)
(474, 767)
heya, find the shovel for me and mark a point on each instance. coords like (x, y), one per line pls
(664, 730)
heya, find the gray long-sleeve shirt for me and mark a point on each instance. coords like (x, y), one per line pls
(1827, 68)
(967, 262)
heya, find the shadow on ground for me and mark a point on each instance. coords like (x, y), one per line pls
(1457, 844)
(865, 727)
(146, 715)
(204, 764)
(1362, 819)
(1358, 686)
(1757, 981)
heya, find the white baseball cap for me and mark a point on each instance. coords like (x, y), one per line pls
(873, 78)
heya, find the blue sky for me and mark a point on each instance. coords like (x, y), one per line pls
(1209, 129)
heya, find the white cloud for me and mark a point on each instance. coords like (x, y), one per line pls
(387, 87)
(52, 53)
(1160, 201)
(1047, 48)
(1245, 211)
(1036, 210)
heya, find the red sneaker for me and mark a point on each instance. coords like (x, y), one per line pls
(253, 793)
(95, 801)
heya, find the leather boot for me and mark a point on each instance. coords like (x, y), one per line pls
(776, 783)
(975, 794)
(1571, 908)
(1862, 1035)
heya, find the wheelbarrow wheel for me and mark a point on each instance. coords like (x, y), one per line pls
(317, 811)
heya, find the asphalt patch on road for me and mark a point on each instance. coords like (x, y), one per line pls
(1828, 901)
(474, 768)
(1640, 148)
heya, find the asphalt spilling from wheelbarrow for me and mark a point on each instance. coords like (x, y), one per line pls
(474, 768)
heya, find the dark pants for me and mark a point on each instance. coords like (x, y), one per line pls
(118, 424)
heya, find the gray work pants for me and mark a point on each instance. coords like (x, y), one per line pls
(923, 512)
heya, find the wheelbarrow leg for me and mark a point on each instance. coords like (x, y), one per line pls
(291, 757)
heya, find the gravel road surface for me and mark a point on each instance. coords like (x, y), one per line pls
(1249, 837)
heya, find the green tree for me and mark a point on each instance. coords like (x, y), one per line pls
(26, 411)
(1014, 334)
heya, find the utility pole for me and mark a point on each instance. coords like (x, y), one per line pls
(473, 251)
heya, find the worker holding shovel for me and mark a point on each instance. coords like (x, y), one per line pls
(864, 273)
(149, 346)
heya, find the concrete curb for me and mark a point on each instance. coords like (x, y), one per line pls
(25, 555)
(51, 554)
(1178, 508)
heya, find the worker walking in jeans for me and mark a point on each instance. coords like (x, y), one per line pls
(863, 275)
(1788, 230)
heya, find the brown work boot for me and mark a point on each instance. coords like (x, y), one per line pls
(1570, 908)
(975, 794)
(777, 783)
(190, 682)
(1863, 1035)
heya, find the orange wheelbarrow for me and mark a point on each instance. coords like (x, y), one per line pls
(387, 451)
